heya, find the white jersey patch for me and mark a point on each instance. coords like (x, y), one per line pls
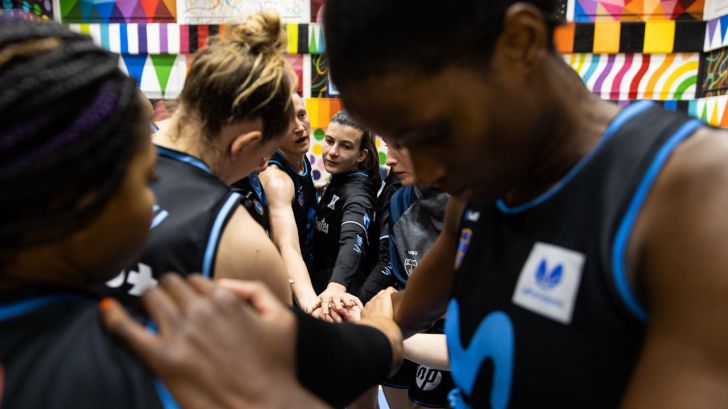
(549, 282)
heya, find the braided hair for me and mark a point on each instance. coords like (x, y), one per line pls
(69, 129)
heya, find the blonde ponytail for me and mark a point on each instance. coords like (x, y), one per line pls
(243, 76)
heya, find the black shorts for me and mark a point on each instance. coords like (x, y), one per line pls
(425, 386)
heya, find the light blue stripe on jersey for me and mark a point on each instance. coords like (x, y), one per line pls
(16, 309)
(217, 226)
(183, 157)
(621, 239)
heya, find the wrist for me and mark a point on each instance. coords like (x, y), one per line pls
(336, 286)
(391, 330)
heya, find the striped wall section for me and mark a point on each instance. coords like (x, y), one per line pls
(162, 38)
(638, 76)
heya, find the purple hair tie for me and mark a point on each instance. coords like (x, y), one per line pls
(102, 106)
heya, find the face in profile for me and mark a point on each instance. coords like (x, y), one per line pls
(400, 163)
(118, 233)
(297, 141)
(341, 149)
(461, 128)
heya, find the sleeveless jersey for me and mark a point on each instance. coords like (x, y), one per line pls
(56, 354)
(345, 207)
(542, 314)
(253, 198)
(304, 203)
(191, 212)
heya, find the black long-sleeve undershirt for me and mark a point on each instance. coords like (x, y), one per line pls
(338, 362)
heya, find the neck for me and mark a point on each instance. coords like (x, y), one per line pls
(184, 134)
(572, 127)
(295, 159)
(35, 270)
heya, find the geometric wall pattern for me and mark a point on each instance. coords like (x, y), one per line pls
(637, 10)
(171, 38)
(638, 76)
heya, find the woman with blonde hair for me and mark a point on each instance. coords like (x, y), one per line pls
(234, 108)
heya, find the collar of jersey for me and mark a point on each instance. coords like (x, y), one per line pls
(18, 308)
(617, 122)
(306, 168)
(183, 157)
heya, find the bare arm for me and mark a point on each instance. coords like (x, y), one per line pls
(678, 249)
(428, 349)
(279, 191)
(246, 253)
(428, 289)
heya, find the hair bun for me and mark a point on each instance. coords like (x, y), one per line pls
(262, 32)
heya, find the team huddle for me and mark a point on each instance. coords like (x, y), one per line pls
(530, 245)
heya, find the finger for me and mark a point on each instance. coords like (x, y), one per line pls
(325, 304)
(337, 303)
(119, 323)
(254, 292)
(160, 306)
(201, 284)
(335, 316)
(181, 292)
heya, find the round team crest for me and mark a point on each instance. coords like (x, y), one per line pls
(258, 207)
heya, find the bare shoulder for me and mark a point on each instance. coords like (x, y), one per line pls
(277, 184)
(682, 226)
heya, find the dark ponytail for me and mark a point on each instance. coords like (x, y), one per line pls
(368, 141)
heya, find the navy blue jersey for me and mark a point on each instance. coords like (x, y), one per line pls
(191, 211)
(542, 314)
(343, 226)
(253, 198)
(304, 202)
(55, 354)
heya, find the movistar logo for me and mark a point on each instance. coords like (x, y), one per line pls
(548, 278)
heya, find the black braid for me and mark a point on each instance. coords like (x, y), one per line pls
(70, 128)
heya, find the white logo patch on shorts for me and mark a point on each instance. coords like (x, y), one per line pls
(549, 282)
(427, 378)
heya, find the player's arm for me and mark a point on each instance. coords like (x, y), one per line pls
(427, 349)
(246, 253)
(679, 249)
(279, 191)
(428, 289)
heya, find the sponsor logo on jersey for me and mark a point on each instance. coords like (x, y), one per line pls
(159, 215)
(472, 216)
(322, 226)
(258, 207)
(427, 378)
(332, 203)
(140, 280)
(549, 282)
(463, 246)
(409, 265)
